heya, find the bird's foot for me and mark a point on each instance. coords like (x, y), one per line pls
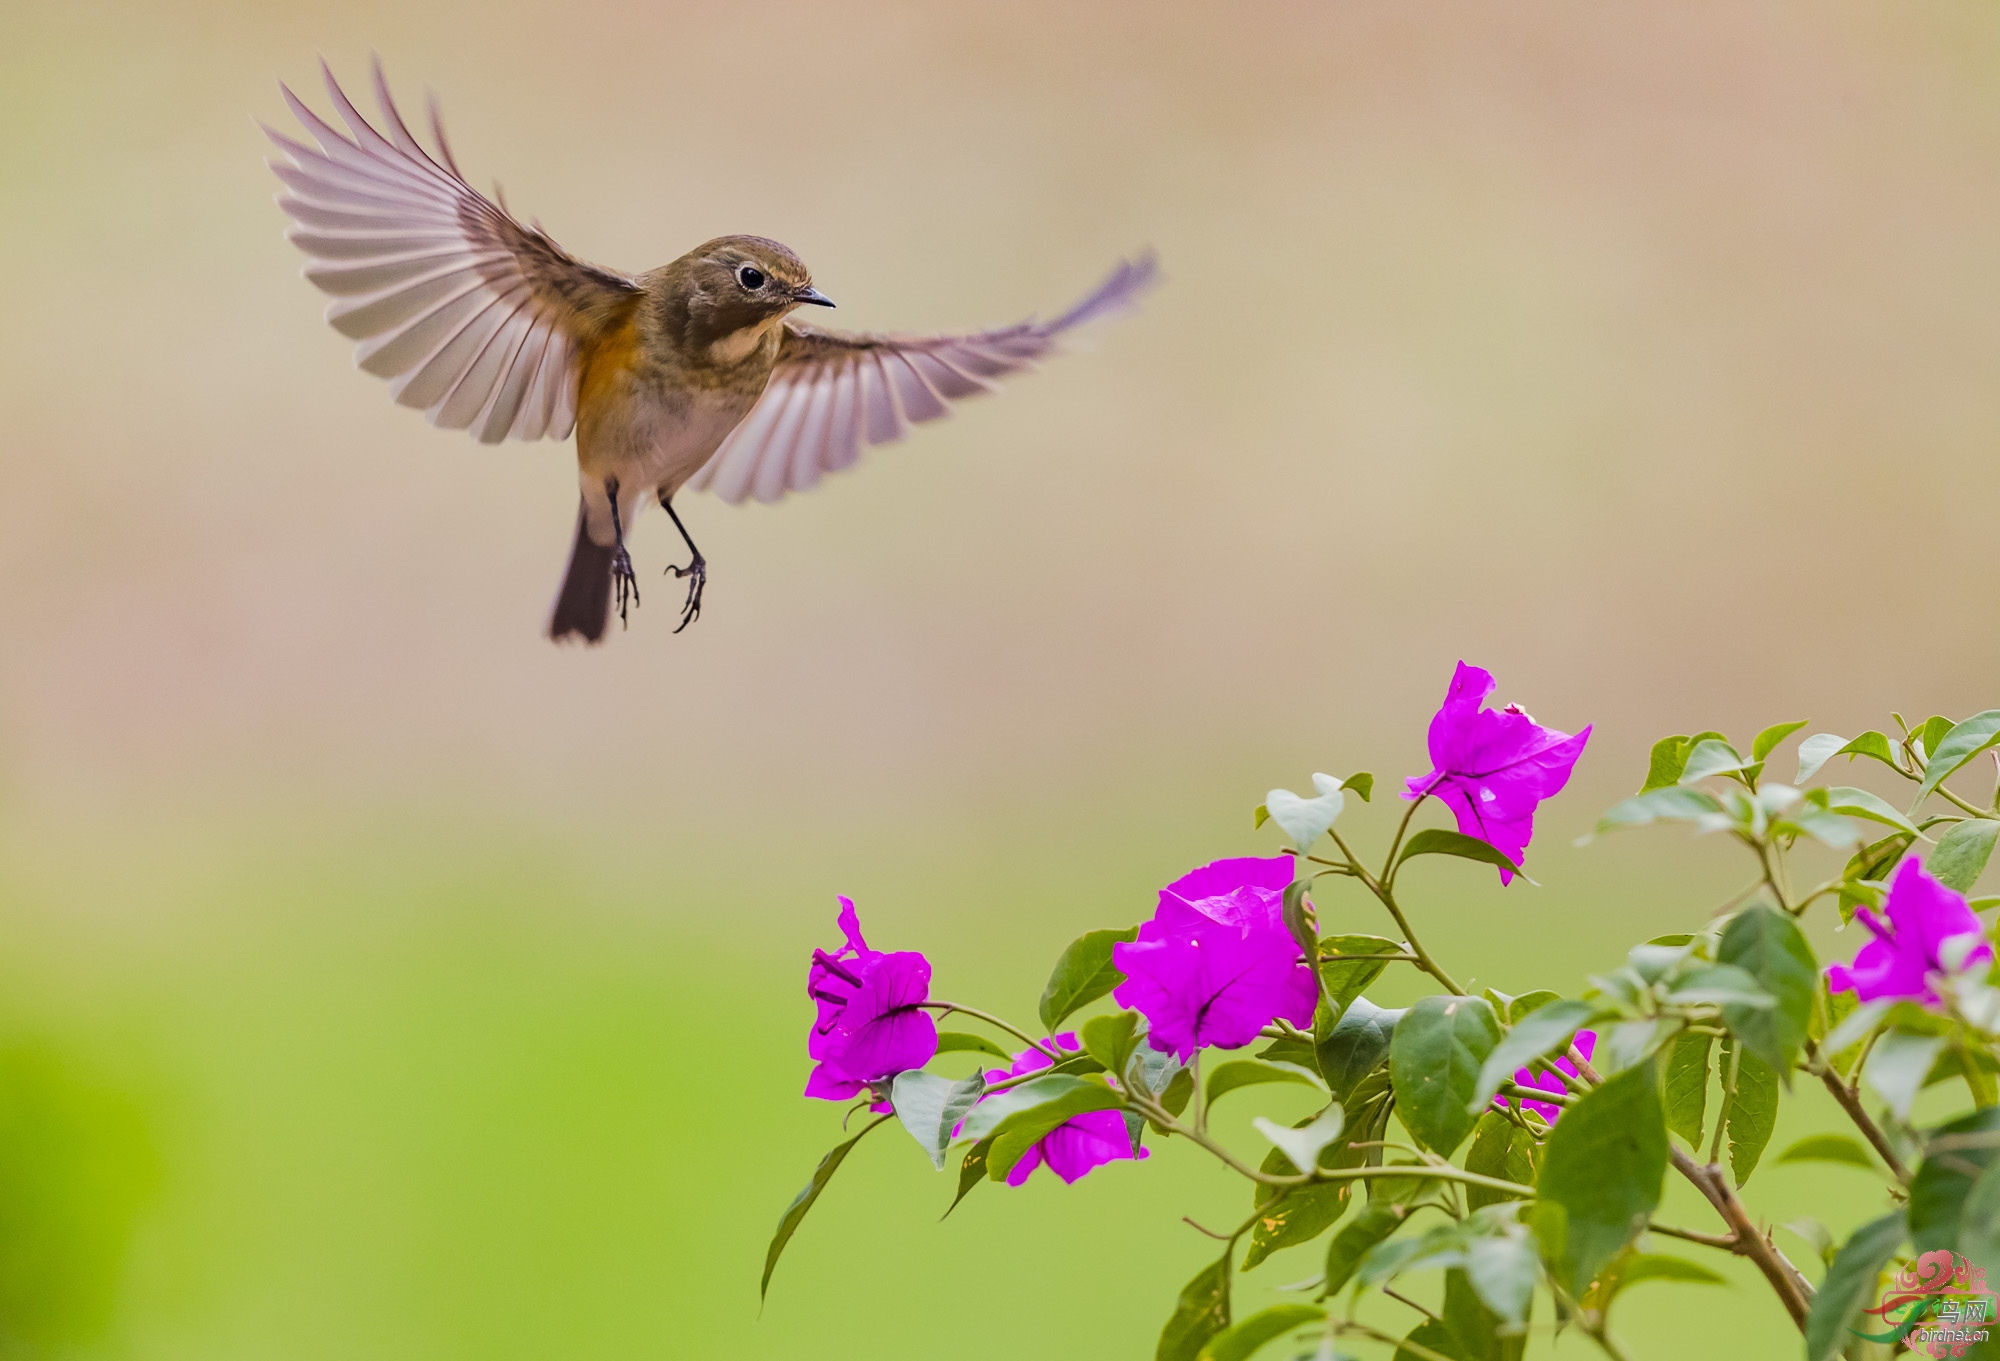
(626, 582)
(697, 573)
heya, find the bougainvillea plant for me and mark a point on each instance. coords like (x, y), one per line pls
(1519, 1145)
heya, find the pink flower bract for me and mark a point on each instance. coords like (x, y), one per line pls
(1907, 949)
(870, 1025)
(1492, 767)
(1586, 1045)
(1215, 965)
(1080, 1142)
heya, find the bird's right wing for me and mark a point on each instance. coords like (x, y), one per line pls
(478, 319)
(833, 391)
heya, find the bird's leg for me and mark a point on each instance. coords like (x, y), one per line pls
(697, 570)
(623, 578)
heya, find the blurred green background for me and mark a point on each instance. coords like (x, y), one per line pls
(377, 980)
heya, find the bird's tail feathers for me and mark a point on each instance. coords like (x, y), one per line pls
(583, 608)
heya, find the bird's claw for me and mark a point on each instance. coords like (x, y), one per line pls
(697, 572)
(625, 581)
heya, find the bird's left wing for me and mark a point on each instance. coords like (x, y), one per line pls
(478, 318)
(833, 391)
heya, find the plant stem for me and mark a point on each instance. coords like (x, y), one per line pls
(1727, 1242)
(1405, 1299)
(1850, 1102)
(1792, 1290)
(1385, 894)
(947, 1008)
(1404, 1347)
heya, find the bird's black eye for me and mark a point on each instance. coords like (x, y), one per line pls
(750, 277)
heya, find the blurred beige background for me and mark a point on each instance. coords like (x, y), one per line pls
(1644, 355)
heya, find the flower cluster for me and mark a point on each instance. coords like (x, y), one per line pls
(871, 1024)
(1216, 964)
(1492, 767)
(1542, 1185)
(1931, 933)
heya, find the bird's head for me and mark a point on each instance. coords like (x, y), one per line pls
(741, 285)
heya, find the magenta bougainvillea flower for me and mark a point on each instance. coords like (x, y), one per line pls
(870, 1024)
(1215, 965)
(1908, 949)
(1080, 1142)
(1586, 1045)
(1492, 766)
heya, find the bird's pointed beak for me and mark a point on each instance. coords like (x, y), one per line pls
(813, 296)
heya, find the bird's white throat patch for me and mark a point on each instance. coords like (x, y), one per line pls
(735, 347)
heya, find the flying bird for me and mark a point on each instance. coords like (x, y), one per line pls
(696, 375)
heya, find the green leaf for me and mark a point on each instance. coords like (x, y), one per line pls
(1020, 1130)
(1687, 1086)
(1850, 1284)
(955, 1041)
(1503, 1270)
(1657, 1266)
(795, 1213)
(1469, 1317)
(1768, 945)
(1111, 1039)
(1500, 1148)
(1816, 751)
(1714, 757)
(1438, 841)
(1345, 979)
(1605, 1162)
(971, 1172)
(1359, 1237)
(1934, 730)
(997, 1107)
(1227, 1077)
(1435, 1057)
(1305, 821)
(1295, 1050)
(1528, 1003)
(1829, 1148)
(1767, 741)
(1259, 818)
(1898, 1065)
(1241, 1341)
(1979, 1227)
(1723, 984)
(1362, 783)
(1962, 853)
(1546, 1030)
(1083, 974)
(1357, 1045)
(1956, 1156)
(1859, 803)
(930, 1107)
(1753, 1115)
(1676, 803)
(1302, 1146)
(1965, 741)
(1434, 1338)
(1664, 768)
(1202, 1312)
(1297, 1215)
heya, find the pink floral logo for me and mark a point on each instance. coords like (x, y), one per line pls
(1938, 1305)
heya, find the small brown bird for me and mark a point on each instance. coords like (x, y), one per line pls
(692, 375)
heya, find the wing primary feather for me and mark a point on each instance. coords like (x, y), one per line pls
(774, 459)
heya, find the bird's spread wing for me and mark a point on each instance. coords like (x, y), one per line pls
(477, 318)
(833, 392)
